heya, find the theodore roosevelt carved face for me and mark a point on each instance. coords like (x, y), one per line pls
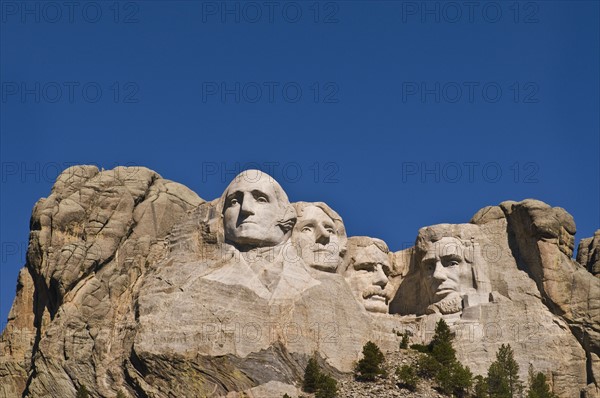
(367, 267)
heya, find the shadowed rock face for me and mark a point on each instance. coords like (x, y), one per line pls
(542, 240)
(134, 283)
(588, 253)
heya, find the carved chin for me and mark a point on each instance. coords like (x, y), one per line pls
(253, 234)
(374, 305)
(450, 305)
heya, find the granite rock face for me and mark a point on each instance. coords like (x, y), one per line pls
(135, 284)
(542, 239)
(89, 244)
(469, 275)
(588, 253)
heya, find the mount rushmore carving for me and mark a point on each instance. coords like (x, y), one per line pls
(134, 283)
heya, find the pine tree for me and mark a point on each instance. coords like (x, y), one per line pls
(538, 386)
(311, 375)
(498, 381)
(462, 379)
(404, 341)
(82, 392)
(503, 375)
(327, 387)
(428, 367)
(444, 380)
(370, 366)
(323, 385)
(441, 364)
(455, 379)
(481, 387)
(441, 344)
(442, 333)
(408, 377)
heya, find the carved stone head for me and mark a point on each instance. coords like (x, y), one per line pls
(256, 211)
(449, 261)
(319, 236)
(366, 269)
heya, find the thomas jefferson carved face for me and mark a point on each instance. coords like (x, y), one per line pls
(255, 210)
(448, 273)
(316, 236)
(368, 267)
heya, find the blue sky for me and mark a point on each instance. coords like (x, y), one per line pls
(398, 114)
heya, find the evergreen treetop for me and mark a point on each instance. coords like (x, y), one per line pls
(503, 375)
(311, 375)
(370, 366)
(538, 386)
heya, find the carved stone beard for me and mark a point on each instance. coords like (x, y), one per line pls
(448, 305)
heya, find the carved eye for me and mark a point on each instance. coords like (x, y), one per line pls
(306, 229)
(386, 270)
(330, 230)
(430, 266)
(233, 202)
(262, 199)
(452, 263)
(366, 267)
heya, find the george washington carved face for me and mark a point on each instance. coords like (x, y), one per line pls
(256, 211)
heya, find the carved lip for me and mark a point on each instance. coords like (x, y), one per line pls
(378, 298)
(444, 291)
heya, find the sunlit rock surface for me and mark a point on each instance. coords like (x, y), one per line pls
(133, 283)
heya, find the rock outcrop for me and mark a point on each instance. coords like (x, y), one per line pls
(501, 303)
(588, 253)
(90, 242)
(133, 283)
(542, 239)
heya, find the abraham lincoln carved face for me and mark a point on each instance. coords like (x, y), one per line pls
(448, 273)
(451, 267)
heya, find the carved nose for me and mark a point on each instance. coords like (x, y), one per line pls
(322, 236)
(380, 279)
(247, 206)
(440, 272)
